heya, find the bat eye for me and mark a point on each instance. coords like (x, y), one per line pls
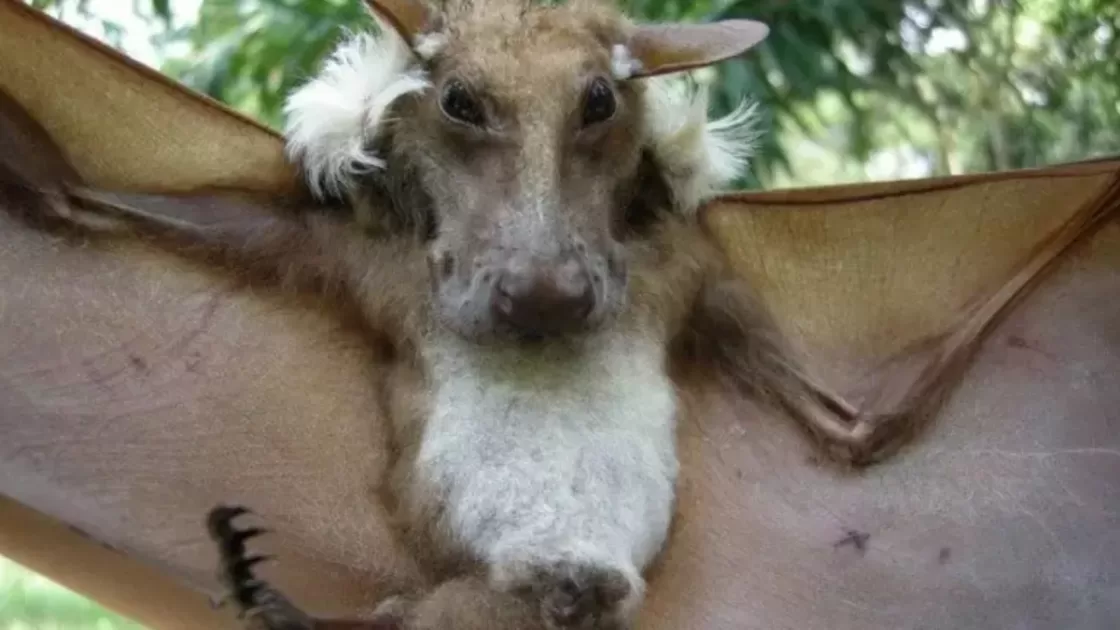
(599, 104)
(458, 104)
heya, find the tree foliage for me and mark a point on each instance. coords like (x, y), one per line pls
(958, 85)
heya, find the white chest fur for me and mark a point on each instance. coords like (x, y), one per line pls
(559, 453)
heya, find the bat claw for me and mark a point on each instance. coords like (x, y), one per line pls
(219, 521)
(256, 600)
(237, 538)
(247, 564)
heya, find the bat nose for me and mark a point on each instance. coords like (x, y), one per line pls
(542, 299)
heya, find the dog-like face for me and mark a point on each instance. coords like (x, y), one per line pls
(528, 146)
(519, 135)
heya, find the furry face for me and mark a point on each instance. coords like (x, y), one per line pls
(528, 167)
(519, 142)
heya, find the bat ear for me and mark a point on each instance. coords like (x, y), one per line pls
(413, 20)
(663, 48)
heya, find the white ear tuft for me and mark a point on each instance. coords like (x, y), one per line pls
(731, 142)
(623, 64)
(331, 119)
(429, 45)
(698, 157)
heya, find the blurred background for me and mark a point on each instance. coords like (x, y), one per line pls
(853, 90)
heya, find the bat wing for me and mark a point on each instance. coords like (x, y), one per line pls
(139, 390)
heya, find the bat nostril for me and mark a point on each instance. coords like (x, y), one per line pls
(544, 299)
(503, 301)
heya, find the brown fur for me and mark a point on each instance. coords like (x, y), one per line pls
(530, 183)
